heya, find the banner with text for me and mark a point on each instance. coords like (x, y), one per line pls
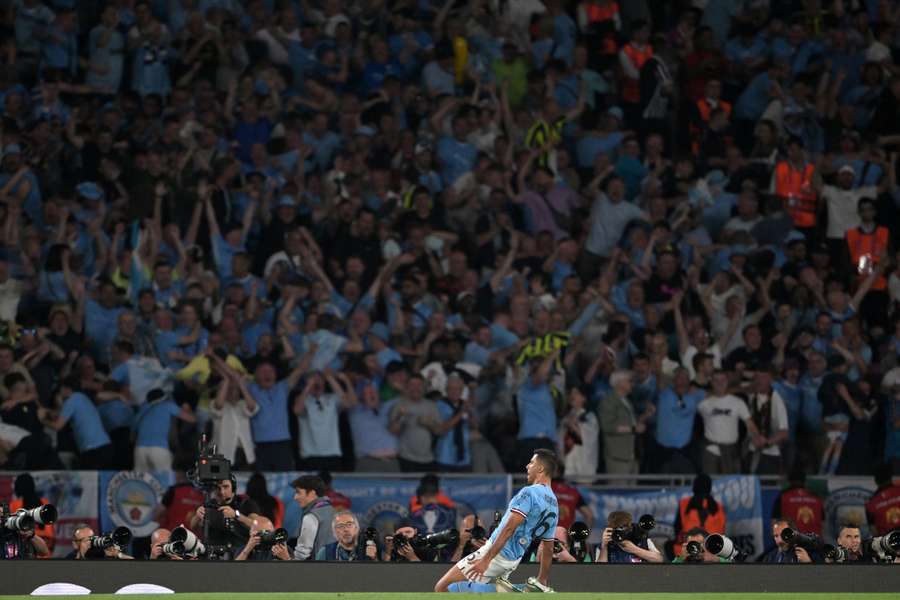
(740, 495)
(73, 493)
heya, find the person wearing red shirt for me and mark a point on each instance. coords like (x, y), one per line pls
(800, 505)
(571, 503)
(883, 508)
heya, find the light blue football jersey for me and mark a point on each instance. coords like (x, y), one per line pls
(537, 503)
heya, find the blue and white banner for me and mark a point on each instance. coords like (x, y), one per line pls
(740, 495)
(129, 498)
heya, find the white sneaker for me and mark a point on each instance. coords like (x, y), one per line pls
(504, 585)
(533, 585)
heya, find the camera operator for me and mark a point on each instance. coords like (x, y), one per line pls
(84, 549)
(634, 549)
(850, 539)
(471, 538)
(21, 544)
(698, 535)
(259, 549)
(230, 522)
(348, 547)
(784, 552)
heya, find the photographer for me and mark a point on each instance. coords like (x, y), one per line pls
(785, 552)
(688, 556)
(398, 548)
(634, 548)
(850, 539)
(21, 544)
(262, 544)
(230, 519)
(471, 538)
(84, 548)
(348, 546)
(158, 539)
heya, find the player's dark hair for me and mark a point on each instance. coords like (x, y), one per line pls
(549, 460)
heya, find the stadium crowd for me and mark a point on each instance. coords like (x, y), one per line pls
(438, 235)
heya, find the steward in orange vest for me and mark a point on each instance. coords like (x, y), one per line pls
(632, 57)
(867, 244)
(704, 107)
(698, 511)
(792, 182)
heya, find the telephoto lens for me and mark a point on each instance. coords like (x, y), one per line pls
(807, 541)
(647, 522)
(579, 531)
(885, 545)
(21, 521)
(694, 548)
(188, 540)
(442, 539)
(723, 547)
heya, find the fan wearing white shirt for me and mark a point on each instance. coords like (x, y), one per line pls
(721, 413)
(231, 411)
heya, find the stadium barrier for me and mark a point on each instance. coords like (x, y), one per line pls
(21, 577)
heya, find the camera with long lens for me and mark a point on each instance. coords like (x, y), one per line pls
(884, 547)
(835, 554)
(184, 542)
(370, 534)
(721, 546)
(797, 539)
(120, 538)
(26, 519)
(636, 532)
(579, 532)
(438, 539)
(268, 538)
(694, 550)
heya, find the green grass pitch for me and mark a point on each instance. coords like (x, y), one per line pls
(411, 596)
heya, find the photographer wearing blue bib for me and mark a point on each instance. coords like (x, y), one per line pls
(627, 542)
(348, 545)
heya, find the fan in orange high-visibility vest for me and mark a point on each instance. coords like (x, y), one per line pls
(792, 184)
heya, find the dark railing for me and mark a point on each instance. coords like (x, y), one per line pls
(22, 577)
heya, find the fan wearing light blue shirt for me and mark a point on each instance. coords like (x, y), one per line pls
(532, 515)
(225, 247)
(317, 417)
(152, 426)
(537, 413)
(94, 448)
